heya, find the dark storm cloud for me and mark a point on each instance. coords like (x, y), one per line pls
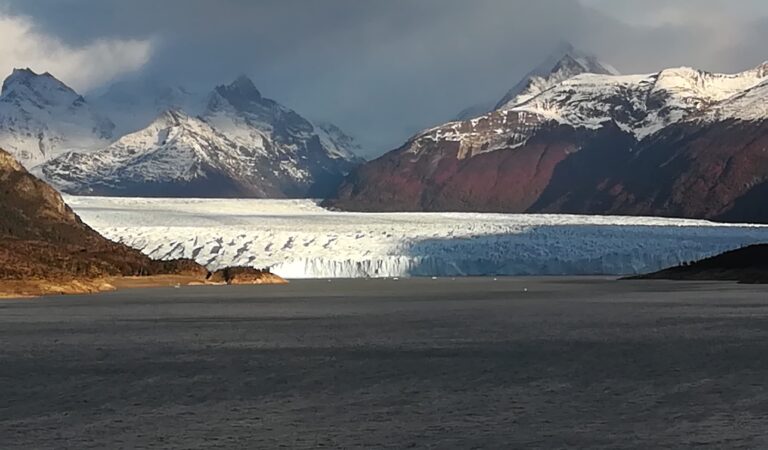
(385, 68)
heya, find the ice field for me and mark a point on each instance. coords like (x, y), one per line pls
(298, 239)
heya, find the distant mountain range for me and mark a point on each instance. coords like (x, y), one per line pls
(574, 136)
(143, 139)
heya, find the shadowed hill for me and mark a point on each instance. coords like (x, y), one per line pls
(746, 265)
(41, 238)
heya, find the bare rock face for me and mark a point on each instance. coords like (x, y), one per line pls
(710, 171)
(245, 276)
(445, 178)
(41, 238)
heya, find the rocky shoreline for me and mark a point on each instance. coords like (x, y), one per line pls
(30, 288)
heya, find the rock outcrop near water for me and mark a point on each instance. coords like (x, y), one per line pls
(46, 248)
(746, 265)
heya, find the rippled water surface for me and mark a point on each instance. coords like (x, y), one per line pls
(465, 363)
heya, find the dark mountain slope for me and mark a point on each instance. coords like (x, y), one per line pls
(41, 238)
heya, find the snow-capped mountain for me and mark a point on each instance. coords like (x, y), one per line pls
(242, 145)
(240, 109)
(749, 105)
(680, 142)
(41, 118)
(338, 143)
(565, 62)
(639, 104)
(311, 160)
(176, 155)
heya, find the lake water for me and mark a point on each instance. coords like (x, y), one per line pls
(465, 363)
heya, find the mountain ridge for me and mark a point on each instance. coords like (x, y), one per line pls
(239, 143)
(590, 144)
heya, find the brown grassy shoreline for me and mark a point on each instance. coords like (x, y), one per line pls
(33, 288)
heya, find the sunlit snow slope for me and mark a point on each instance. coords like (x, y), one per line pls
(297, 239)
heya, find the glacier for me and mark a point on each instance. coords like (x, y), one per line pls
(299, 239)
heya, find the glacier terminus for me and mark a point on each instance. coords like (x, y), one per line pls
(298, 239)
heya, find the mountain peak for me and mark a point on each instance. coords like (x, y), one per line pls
(565, 62)
(572, 62)
(26, 72)
(44, 85)
(19, 77)
(41, 117)
(242, 87)
(566, 55)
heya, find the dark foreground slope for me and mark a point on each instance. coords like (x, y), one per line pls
(44, 243)
(747, 265)
(46, 249)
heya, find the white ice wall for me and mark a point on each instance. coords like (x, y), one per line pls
(297, 239)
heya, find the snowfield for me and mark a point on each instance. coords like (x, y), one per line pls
(298, 239)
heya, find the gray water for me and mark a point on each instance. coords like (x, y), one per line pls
(468, 363)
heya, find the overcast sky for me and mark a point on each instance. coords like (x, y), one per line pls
(381, 69)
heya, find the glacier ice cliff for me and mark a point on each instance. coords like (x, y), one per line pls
(297, 239)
